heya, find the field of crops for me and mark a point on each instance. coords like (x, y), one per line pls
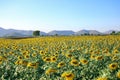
(60, 58)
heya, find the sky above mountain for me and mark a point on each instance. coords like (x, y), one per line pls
(47, 15)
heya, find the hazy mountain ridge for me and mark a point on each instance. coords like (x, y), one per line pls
(21, 33)
(110, 31)
(63, 32)
(82, 32)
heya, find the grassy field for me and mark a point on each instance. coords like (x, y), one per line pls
(60, 58)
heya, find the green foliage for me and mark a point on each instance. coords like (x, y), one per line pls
(82, 57)
(36, 33)
(118, 33)
(114, 33)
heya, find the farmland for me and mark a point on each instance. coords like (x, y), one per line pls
(60, 58)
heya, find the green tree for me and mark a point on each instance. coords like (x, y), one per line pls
(36, 33)
(113, 33)
(56, 34)
(86, 34)
(118, 33)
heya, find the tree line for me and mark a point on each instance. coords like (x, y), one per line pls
(115, 33)
(37, 33)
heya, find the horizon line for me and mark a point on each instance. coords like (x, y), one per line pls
(60, 30)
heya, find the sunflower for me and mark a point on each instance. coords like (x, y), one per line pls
(56, 53)
(108, 54)
(53, 59)
(92, 56)
(11, 53)
(47, 59)
(113, 66)
(43, 58)
(33, 48)
(68, 55)
(83, 61)
(68, 75)
(19, 57)
(73, 57)
(34, 55)
(61, 64)
(24, 63)
(25, 53)
(118, 74)
(26, 56)
(102, 78)
(33, 65)
(115, 51)
(1, 61)
(19, 62)
(115, 58)
(64, 74)
(42, 52)
(50, 71)
(74, 62)
(3, 58)
(99, 57)
(106, 51)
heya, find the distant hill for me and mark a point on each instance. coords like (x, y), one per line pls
(14, 34)
(64, 32)
(27, 33)
(82, 32)
(110, 31)
(42, 33)
(94, 32)
(17, 33)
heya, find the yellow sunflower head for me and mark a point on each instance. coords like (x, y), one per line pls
(4, 58)
(102, 78)
(83, 61)
(115, 58)
(74, 62)
(43, 58)
(42, 52)
(118, 74)
(47, 59)
(53, 59)
(99, 57)
(19, 62)
(68, 75)
(50, 71)
(24, 63)
(19, 57)
(1, 61)
(61, 64)
(32, 65)
(68, 55)
(25, 53)
(26, 56)
(34, 55)
(92, 56)
(113, 66)
(115, 51)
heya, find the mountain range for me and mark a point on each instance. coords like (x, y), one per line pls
(24, 33)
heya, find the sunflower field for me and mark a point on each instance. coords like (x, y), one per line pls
(60, 58)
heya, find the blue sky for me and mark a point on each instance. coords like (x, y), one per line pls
(47, 15)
